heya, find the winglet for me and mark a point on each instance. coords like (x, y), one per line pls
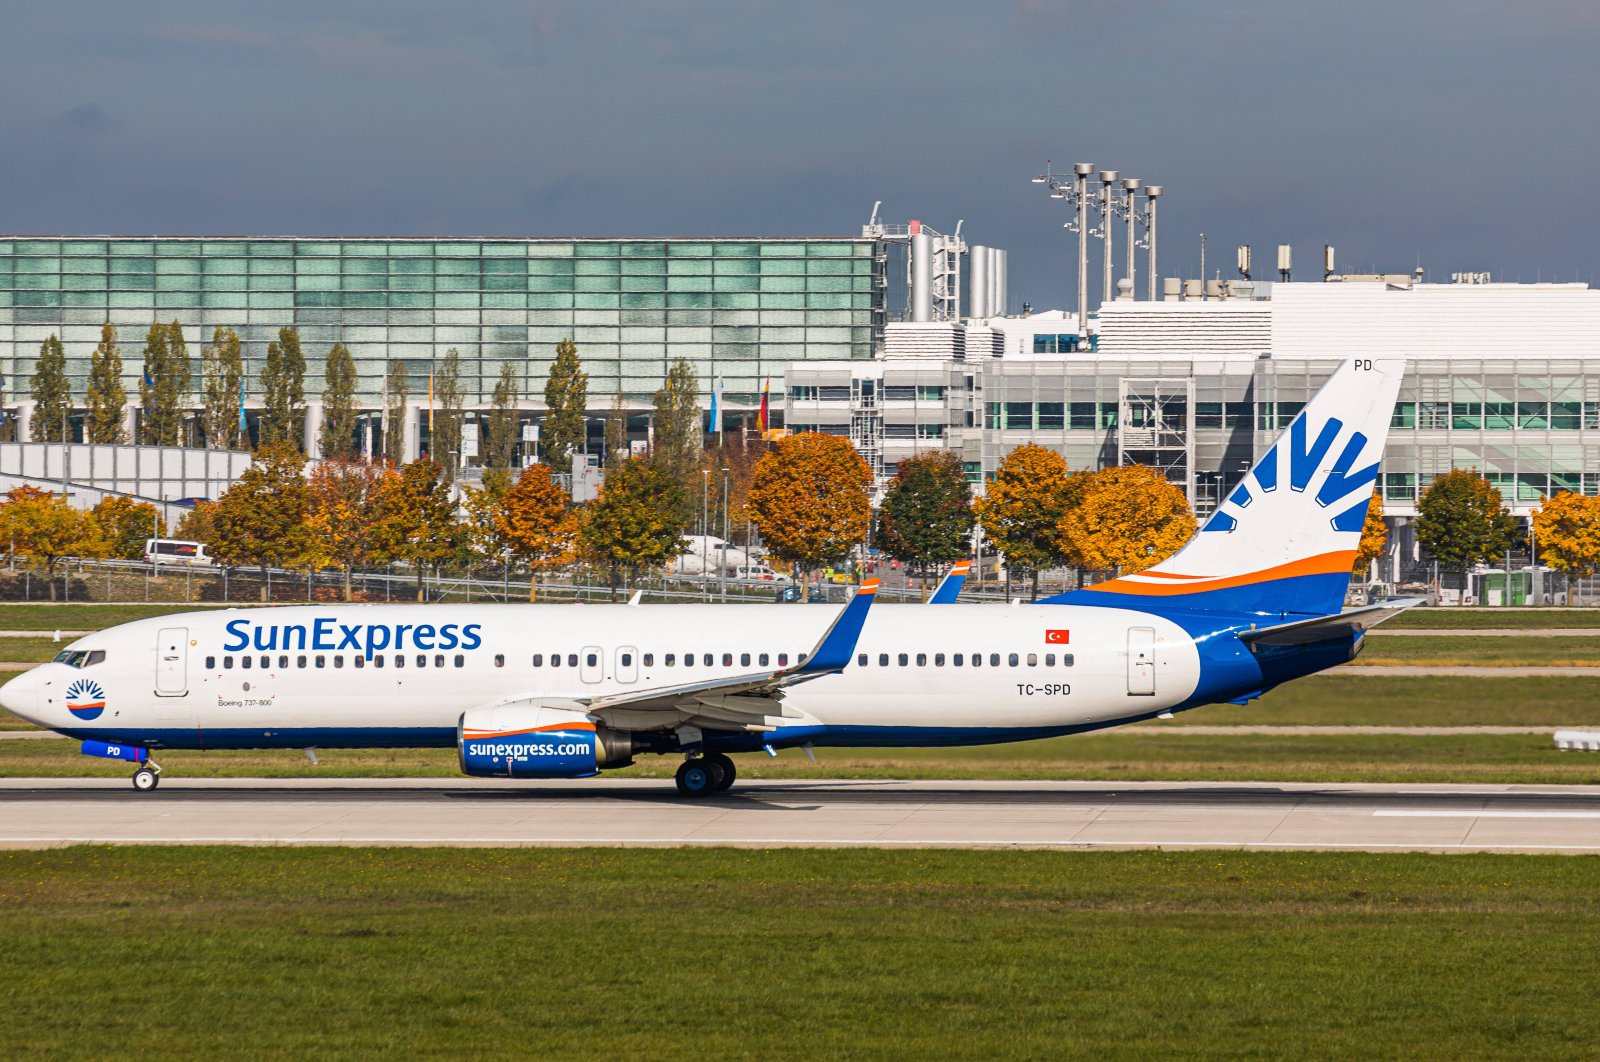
(833, 652)
(945, 593)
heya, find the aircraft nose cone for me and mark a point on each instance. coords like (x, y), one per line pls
(20, 696)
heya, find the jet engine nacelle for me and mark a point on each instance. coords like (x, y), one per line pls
(532, 741)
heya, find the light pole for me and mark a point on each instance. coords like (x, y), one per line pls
(705, 530)
(1129, 209)
(1151, 193)
(1076, 195)
(1108, 178)
(722, 572)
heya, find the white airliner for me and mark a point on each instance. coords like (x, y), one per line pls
(564, 691)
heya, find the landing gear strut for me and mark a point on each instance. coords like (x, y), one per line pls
(147, 777)
(704, 775)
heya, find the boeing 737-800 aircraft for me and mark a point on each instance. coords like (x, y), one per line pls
(565, 691)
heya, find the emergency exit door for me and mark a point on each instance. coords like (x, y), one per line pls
(1141, 661)
(172, 662)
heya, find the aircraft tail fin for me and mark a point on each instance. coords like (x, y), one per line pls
(950, 586)
(1285, 538)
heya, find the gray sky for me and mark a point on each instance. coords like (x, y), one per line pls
(1458, 132)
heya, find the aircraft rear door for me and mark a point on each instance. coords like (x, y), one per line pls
(591, 666)
(1141, 661)
(172, 662)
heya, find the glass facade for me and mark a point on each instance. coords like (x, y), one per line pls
(741, 310)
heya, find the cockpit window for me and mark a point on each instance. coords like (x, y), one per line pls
(79, 657)
(96, 656)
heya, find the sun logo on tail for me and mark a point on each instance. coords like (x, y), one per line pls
(85, 699)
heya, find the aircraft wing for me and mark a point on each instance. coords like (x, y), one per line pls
(945, 593)
(1321, 628)
(744, 700)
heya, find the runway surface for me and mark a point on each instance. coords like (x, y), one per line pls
(39, 813)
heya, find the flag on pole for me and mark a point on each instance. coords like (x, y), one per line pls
(763, 414)
(716, 405)
(244, 428)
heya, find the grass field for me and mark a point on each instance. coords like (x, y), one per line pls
(1471, 651)
(1476, 619)
(795, 954)
(1121, 755)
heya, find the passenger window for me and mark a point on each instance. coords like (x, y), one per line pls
(861, 659)
(783, 659)
(95, 657)
(227, 663)
(977, 659)
(994, 659)
(555, 660)
(538, 660)
(500, 660)
(707, 659)
(1066, 659)
(592, 659)
(422, 659)
(727, 659)
(648, 660)
(958, 660)
(938, 660)
(905, 660)
(359, 661)
(322, 661)
(283, 663)
(765, 660)
(211, 663)
(803, 657)
(461, 661)
(266, 662)
(1013, 660)
(1049, 660)
(300, 661)
(245, 661)
(1033, 659)
(377, 661)
(883, 659)
(627, 659)
(572, 659)
(672, 659)
(399, 660)
(338, 661)
(438, 660)
(922, 659)
(744, 659)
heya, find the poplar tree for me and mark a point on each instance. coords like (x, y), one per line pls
(678, 435)
(566, 399)
(394, 414)
(283, 391)
(339, 405)
(616, 439)
(504, 423)
(52, 394)
(164, 383)
(105, 399)
(222, 381)
(447, 417)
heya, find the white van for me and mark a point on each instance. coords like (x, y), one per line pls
(758, 573)
(177, 551)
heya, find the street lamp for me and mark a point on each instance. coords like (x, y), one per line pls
(1076, 195)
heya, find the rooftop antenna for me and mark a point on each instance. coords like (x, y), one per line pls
(1244, 260)
(1327, 260)
(1285, 261)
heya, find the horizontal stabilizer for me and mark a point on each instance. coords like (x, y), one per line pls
(1324, 628)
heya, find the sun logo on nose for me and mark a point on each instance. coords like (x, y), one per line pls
(85, 699)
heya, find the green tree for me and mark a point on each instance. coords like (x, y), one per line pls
(105, 399)
(283, 391)
(925, 521)
(678, 430)
(261, 519)
(1462, 522)
(395, 412)
(164, 385)
(810, 498)
(445, 445)
(222, 381)
(505, 422)
(413, 518)
(566, 399)
(1022, 508)
(52, 394)
(636, 523)
(125, 524)
(339, 405)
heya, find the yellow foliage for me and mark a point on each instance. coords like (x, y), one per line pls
(43, 528)
(339, 496)
(810, 498)
(1128, 518)
(1374, 533)
(1566, 530)
(1022, 506)
(535, 521)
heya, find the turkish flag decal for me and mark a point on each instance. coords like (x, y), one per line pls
(1056, 637)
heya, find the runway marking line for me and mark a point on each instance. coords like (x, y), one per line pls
(1418, 814)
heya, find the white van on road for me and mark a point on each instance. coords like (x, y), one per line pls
(177, 551)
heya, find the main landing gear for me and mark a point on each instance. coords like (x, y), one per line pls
(147, 777)
(701, 776)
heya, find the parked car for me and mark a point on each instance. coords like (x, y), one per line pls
(759, 573)
(177, 551)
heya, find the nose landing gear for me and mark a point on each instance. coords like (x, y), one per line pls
(701, 776)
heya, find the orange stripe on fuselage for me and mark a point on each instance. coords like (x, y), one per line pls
(1322, 564)
(483, 735)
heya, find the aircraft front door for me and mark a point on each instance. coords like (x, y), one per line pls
(590, 664)
(172, 662)
(627, 664)
(1141, 661)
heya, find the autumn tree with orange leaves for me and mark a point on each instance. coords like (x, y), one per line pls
(1128, 517)
(1022, 507)
(339, 497)
(1374, 532)
(535, 521)
(810, 498)
(1566, 530)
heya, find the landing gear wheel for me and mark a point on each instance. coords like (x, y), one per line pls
(729, 771)
(698, 777)
(144, 779)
